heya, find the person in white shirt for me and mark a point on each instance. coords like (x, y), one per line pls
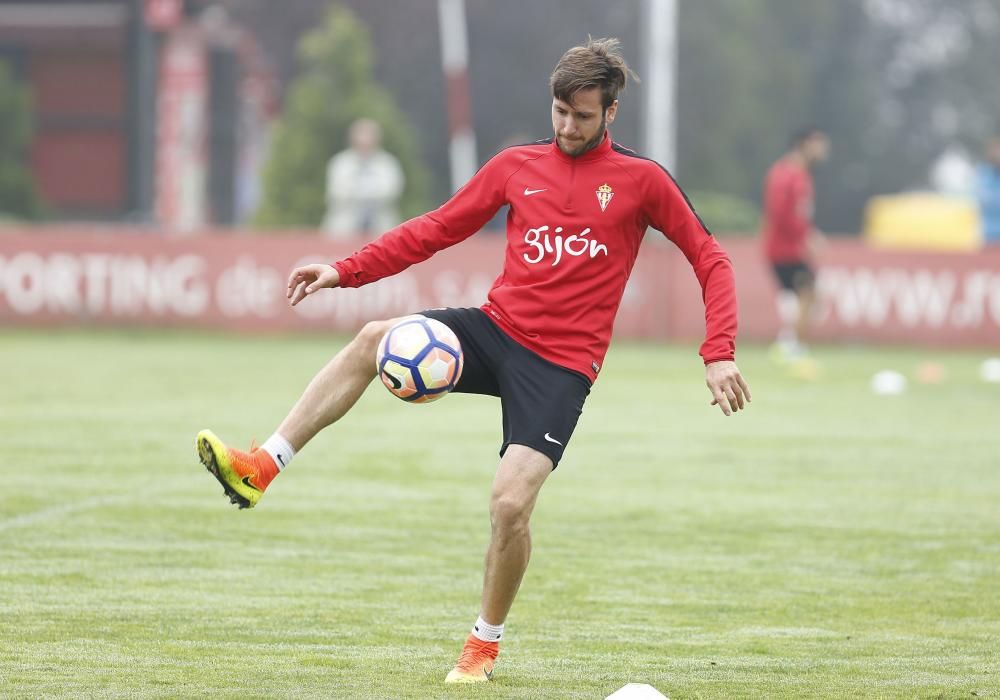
(363, 185)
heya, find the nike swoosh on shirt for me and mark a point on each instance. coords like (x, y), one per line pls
(552, 439)
(529, 192)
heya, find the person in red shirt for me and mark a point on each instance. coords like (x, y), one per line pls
(790, 237)
(580, 205)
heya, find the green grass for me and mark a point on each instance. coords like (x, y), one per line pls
(826, 543)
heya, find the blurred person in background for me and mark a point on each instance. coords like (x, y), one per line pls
(988, 192)
(363, 185)
(791, 239)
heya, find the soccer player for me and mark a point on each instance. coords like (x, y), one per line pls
(579, 208)
(790, 237)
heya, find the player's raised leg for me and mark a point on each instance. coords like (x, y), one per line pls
(331, 394)
(519, 478)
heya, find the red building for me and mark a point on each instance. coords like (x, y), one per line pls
(145, 110)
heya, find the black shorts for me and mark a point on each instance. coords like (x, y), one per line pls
(794, 276)
(540, 401)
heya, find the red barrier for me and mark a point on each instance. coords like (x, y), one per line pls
(238, 281)
(62, 276)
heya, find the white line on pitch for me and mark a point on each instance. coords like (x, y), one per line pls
(56, 512)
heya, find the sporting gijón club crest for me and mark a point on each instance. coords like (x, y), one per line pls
(604, 195)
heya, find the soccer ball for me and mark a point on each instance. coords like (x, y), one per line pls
(419, 359)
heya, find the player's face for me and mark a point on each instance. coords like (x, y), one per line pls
(580, 126)
(817, 148)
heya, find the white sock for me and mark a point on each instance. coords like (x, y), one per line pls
(788, 315)
(788, 339)
(279, 449)
(487, 632)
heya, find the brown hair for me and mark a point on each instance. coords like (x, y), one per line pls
(598, 63)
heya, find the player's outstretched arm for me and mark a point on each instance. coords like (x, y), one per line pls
(311, 278)
(729, 389)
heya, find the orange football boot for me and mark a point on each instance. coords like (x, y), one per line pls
(243, 475)
(475, 665)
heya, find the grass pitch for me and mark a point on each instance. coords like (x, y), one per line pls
(826, 543)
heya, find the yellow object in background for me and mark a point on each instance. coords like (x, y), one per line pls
(923, 221)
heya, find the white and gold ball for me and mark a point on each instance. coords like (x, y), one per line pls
(419, 359)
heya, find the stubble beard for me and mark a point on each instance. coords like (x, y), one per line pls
(589, 145)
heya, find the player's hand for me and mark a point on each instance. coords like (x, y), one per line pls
(816, 243)
(729, 390)
(311, 278)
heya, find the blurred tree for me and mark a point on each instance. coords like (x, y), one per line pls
(18, 197)
(336, 85)
(513, 47)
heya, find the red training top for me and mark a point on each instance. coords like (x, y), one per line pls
(573, 233)
(788, 211)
